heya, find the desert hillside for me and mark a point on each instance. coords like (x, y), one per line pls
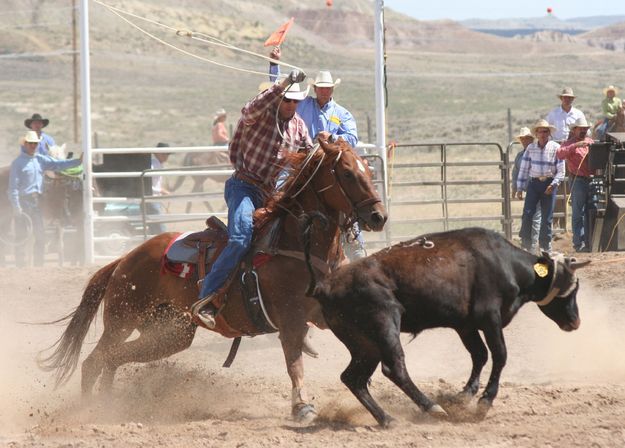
(445, 81)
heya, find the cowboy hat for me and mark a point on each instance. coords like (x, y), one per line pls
(567, 91)
(542, 124)
(324, 79)
(220, 113)
(36, 117)
(580, 123)
(296, 92)
(612, 88)
(524, 132)
(31, 137)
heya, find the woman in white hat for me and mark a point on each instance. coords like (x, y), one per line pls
(219, 131)
(610, 106)
(25, 189)
(540, 174)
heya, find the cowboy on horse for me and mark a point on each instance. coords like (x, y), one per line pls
(610, 107)
(267, 129)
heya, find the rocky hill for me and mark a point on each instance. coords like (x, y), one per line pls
(610, 37)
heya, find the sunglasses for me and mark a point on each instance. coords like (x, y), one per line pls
(289, 100)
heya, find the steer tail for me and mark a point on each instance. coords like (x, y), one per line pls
(64, 358)
(306, 224)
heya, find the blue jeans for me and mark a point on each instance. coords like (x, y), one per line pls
(580, 194)
(535, 229)
(602, 128)
(30, 206)
(535, 195)
(242, 199)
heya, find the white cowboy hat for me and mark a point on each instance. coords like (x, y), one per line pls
(542, 124)
(324, 79)
(296, 92)
(580, 123)
(612, 88)
(31, 137)
(524, 132)
(567, 91)
(219, 113)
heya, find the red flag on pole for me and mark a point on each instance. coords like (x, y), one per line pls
(278, 36)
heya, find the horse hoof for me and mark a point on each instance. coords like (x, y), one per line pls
(483, 406)
(438, 412)
(305, 414)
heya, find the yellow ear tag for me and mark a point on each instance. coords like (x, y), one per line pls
(541, 269)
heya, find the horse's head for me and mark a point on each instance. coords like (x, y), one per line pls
(346, 185)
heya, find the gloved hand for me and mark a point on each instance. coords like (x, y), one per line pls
(296, 76)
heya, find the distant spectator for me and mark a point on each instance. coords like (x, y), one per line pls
(540, 174)
(575, 151)
(220, 132)
(525, 138)
(37, 123)
(563, 116)
(610, 106)
(25, 189)
(156, 208)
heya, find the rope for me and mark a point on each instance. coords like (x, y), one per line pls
(186, 33)
(11, 241)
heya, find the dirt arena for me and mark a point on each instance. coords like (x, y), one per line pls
(558, 389)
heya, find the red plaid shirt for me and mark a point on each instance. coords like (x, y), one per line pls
(257, 148)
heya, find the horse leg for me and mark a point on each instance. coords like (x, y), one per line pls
(292, 338)
(479, 355)
(93, 365)
(167, 332)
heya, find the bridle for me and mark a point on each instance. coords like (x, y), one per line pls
(355, 207)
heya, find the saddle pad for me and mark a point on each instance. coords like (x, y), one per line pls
(178, 252)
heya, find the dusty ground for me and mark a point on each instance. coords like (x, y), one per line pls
(557, 390)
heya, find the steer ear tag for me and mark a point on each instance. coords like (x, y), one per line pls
(541, 269)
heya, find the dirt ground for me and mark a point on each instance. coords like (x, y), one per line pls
(558, 389)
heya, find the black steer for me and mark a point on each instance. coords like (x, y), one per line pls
(469, 280)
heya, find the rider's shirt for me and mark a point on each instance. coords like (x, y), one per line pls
(26, 175)
(261, 138)
(45, 144)
(332, 118)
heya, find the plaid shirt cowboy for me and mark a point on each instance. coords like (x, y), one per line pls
(257, 147)
(540, 162)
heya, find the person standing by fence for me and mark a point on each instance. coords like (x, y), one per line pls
(37, 123)
(25, 190)
(525, 138)
(540, 174)
(575, 152)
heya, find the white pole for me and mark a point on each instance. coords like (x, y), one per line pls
(85, 99)
(379, 86)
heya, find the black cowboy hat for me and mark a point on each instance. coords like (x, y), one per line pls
(36, 117)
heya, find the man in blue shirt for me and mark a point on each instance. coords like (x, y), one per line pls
(37, 123)
(326, 118)
(25, 189)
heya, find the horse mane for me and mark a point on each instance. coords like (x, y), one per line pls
(277, 204)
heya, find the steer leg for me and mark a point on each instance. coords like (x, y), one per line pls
(394, 368)
(497, 345)
(479, 355)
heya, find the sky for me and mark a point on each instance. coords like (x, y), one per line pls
(501, 9)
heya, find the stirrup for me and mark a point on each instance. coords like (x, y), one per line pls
(207, 317)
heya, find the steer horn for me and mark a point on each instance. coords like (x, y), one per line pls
(574, 264)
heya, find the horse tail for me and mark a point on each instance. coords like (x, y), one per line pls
(188, 161)
(64, 358)
(306, 225)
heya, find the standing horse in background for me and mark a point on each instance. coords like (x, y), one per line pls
(207, 160)
(136, 295)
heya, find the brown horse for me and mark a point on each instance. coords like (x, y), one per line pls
(135, 295)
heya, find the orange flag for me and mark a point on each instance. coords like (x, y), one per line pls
(278, 36)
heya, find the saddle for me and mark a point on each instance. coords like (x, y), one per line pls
(195, 252)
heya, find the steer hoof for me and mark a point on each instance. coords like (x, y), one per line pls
(304, 414)
(438, 412)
